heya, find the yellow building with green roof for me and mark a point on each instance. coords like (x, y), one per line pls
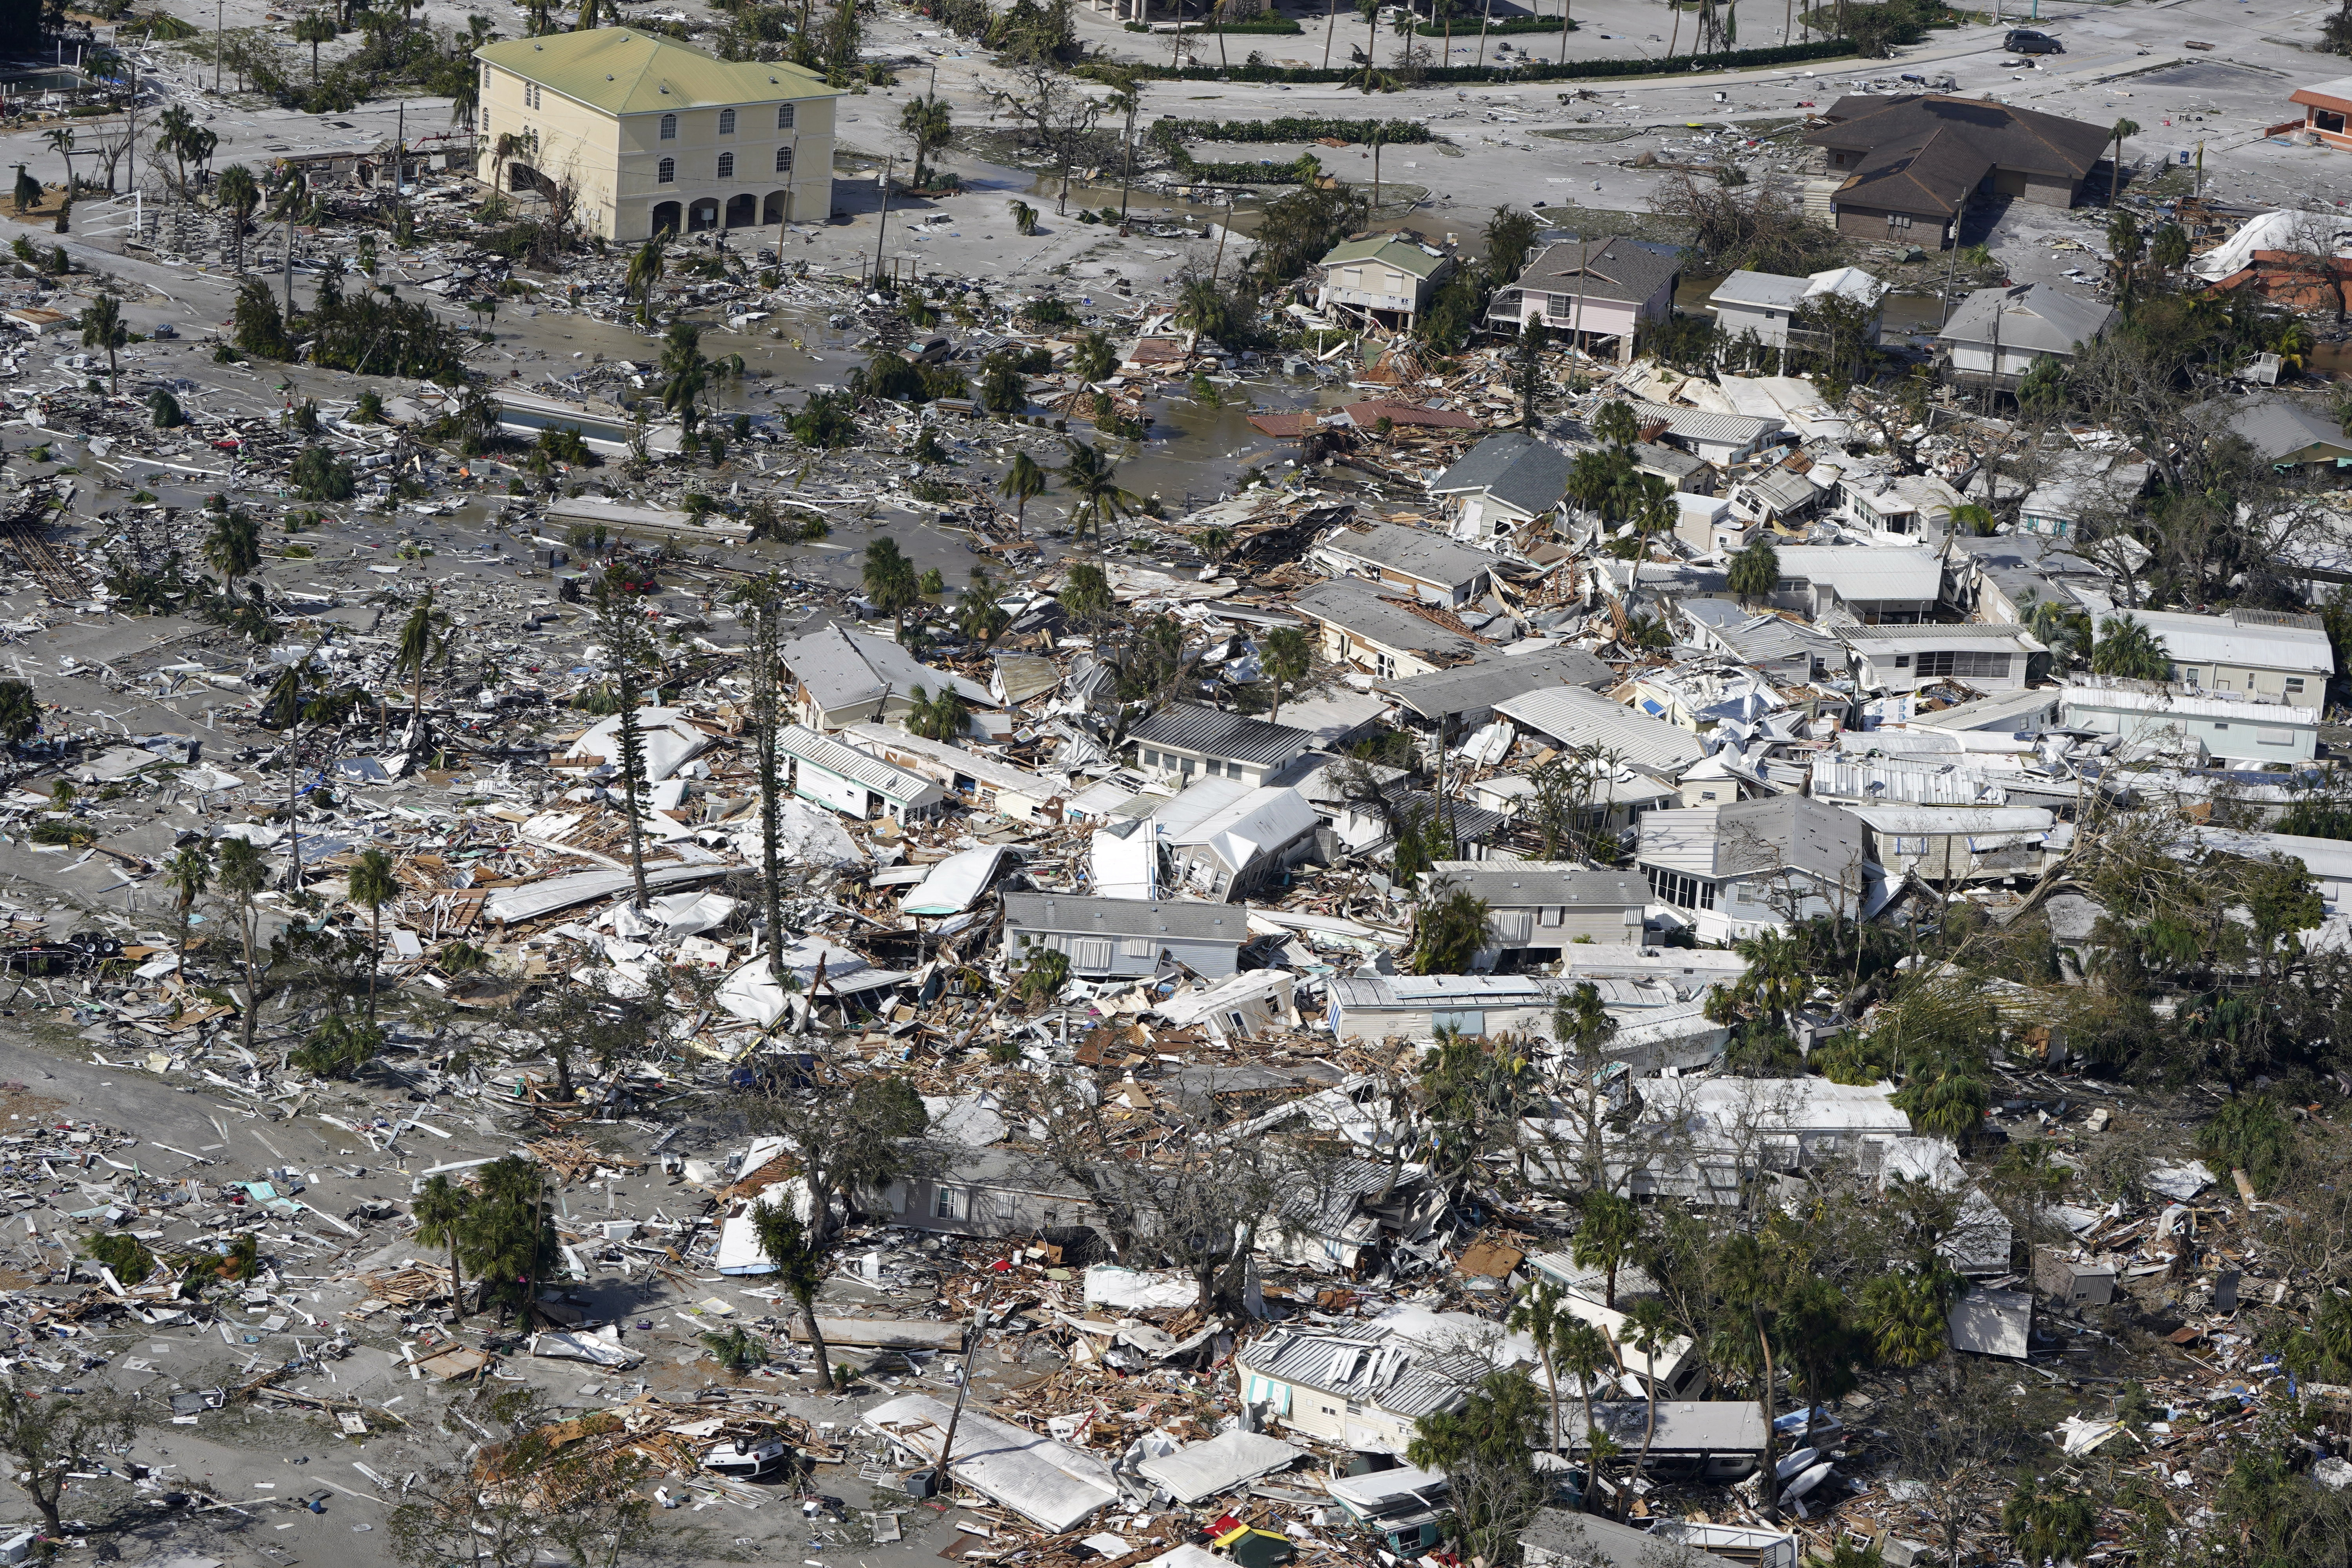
(654, 135)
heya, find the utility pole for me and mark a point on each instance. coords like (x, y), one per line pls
(290, 259)
(1951, 272)
(220, 41)
(1485, 19)
(1376, 175)
(964, 1386)
(882, 229)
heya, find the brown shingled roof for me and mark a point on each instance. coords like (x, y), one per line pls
(1925, 152)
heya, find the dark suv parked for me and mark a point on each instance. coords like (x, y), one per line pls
(2026, 41)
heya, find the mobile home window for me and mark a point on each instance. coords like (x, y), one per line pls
(1683, 892)
(1135, 947)
(1966, 663)
(950, 1203)
(2274, 737)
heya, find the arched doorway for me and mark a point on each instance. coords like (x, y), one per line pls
(743, 211)
(777, 204)
(701, 216)
(666, 215)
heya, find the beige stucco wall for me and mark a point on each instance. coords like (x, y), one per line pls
(615, 161)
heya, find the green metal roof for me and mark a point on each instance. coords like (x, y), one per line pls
(623, 71)
(1396, 252)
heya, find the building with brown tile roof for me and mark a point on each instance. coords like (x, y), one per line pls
(1911, 163)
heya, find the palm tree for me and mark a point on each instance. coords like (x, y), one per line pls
(943, 717)
(243, 873)
(645, 272)
(1776, 980)
(1617, 424)
(2127, 649)
(1605, 1238)
(372, 886)
(1647, 1329)
(924, 121)
(424, 637)
(1202, 306)
(2116, 134)
(316, 27)
(61, 142)
(1655, 512)
(627, 650)
(1755, 572)
(442, 1209)
(1092, 478)
(1537, 1315)
(1582, 1352)
(685, 372)
(189, 875)
(1284, 656)
(1749, 1280)
(290, 699)
(1215, 544)
(1094, 359)
(1023, 482)
(233, 548)
(103, 328)
(237, 195)
(890, 583)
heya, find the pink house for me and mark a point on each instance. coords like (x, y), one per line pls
(1600, 290)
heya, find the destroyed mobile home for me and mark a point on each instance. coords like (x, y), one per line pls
(1618, 938)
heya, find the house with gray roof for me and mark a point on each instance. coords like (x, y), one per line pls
(1996, 335)
(1386, 635)
(1363, 1388)
(1179, 741)
(1874, 583)
(2285, 431)
(854, 782)
(1765, 303)
(1533, 907)
(1779, 496)
(1506, 480)
(848, 678)
(1721, 439)
(1991, 658)
(1734, 870)
(1463, 696)
(1416, 561)
(1689, 473)
(1597, 293)
(1113, 937)
(1790, 653)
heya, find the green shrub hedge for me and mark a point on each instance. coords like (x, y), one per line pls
(1532, 70)
(1172, 132)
